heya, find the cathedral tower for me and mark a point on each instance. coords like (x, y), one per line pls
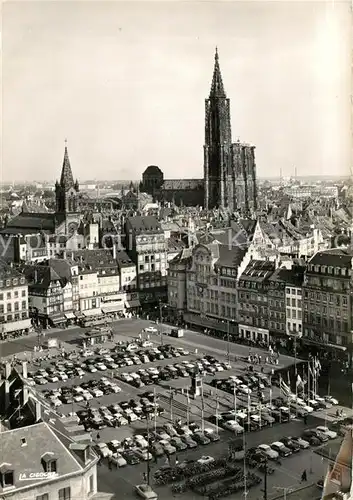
(67, 190)
(218, 141)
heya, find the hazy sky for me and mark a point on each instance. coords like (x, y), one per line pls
(125, 83)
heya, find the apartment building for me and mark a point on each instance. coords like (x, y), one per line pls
(211, 286)
(276, 303)
(14, 312)
(327, 298)
(128, 280)
(294, 301)
(146, 245)
(177, 298)
(45, 295)
(253, 310)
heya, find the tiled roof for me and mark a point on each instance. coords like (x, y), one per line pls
(258, 270)
(123, 259)
(40, 276)
(335, 257)
(182, 184)
(144, 224)
(229, 256)
(174, 245)
(43, 221)
(98, 260)
(25, 458)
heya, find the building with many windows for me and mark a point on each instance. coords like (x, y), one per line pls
(327, 298)
(146, 245)
(177, 299)
(253, 310)
(276, 303)
(13, 301)
(211, 286)
(294, 301)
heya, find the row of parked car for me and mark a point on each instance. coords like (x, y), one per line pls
(288, 445)
(164, 441)
(103, 359)
(82, 392)
(156, 374)
(122, 413)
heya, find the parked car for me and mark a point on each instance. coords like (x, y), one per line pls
(292, 445)
(131, 457)
(188, 441)
(303, 443)
(205, 460)
(200, 438)
(281, 449)
(211, 434)
(145, 491)
(268, 451)
(326, 431)
(178, 443)
(118, 460)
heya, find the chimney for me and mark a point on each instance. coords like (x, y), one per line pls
(114, 249)
(6, 395)
(24, 369)
(8, 370)
(35, 276)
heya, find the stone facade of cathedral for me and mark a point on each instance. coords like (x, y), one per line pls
(229, 180)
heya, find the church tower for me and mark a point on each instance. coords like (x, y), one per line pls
(218, 142)
(67, 190)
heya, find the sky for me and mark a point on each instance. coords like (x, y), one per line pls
(125, 83)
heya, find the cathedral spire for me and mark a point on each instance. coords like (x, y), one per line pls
(217, 89)
(67, 179)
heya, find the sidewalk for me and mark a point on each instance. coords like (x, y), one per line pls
(43, 333)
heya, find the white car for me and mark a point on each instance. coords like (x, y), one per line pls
(129, 414)
(232, 425)
(97, 393)
(103, 450)
(108, 358)
(205, 460)
(126, 377)
(112, 365)
(219, 367)
(30, 381)
(151, 329)
(101, 367)
(115, 388)
(118, 460)
(128, 361)
(87, 353)
(91, 368)
(245, 389)
(80, 372)
(56, 402)
(143, 454)
(132, 347)
(268, 451)
(87, 396)
(331, 400)
(145, 491)
(141, 441)
(78, 398)
(52, 378)
(147, 343)
(327, 432)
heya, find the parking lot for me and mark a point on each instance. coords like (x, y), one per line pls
(124, 396)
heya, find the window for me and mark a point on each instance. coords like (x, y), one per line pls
(23, 304)
(23, 293)
(8, 308)
(51, 466)
(45, 496)
(65, 494)
(8, 295)
(16, 294)
(91, 484)
(7, 479)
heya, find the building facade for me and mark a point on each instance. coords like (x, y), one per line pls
(276, 303)
(14, 310)
(146, 245)
(253, 310)
(327, 298)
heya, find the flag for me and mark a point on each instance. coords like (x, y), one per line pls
(187, 396)
(284, 388)
(299, 381)
(317, 364)
(288, 379)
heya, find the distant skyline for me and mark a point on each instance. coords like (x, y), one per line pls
(125, 83)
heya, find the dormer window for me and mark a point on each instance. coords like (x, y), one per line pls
(49, 462)
(7, 477)
(23, 442)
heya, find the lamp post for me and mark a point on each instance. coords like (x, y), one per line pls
(228, 341)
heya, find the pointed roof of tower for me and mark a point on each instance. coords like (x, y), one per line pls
(217, 88)
(66, 178)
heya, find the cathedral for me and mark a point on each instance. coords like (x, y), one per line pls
(229, 181)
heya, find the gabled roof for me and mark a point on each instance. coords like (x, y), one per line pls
(335, 257)
(228, 256)
(144, 224)
(40, 275)
(23, 448)
(35, 221)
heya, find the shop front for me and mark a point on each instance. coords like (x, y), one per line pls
(113, 309)
(93, 317)
(57, 320)
(254, 334)
(132, 304)
(70, 317)
(223, 327)
(14, 328)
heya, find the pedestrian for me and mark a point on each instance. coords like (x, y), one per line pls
(305, 419)
(144, 475)
(98, 436)
(110, 463)
(304, 476)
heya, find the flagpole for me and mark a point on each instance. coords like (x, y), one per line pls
(202, 409)
(280, 386)
(308, 380)
(234, 401)
(188, 407)
(248, 411)
(271, 398)
(155, 410)
(217, 410)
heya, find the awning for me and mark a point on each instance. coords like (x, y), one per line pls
(113, 308)
(22, 324)
(92, 312)
(57, 318)
(132, 303)
(70, 315)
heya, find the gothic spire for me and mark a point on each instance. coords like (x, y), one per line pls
(67, 179)
(217, 89)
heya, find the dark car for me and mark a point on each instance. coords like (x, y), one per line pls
(200, 438)
(313, 433)
(131, 457)
(292, 445)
